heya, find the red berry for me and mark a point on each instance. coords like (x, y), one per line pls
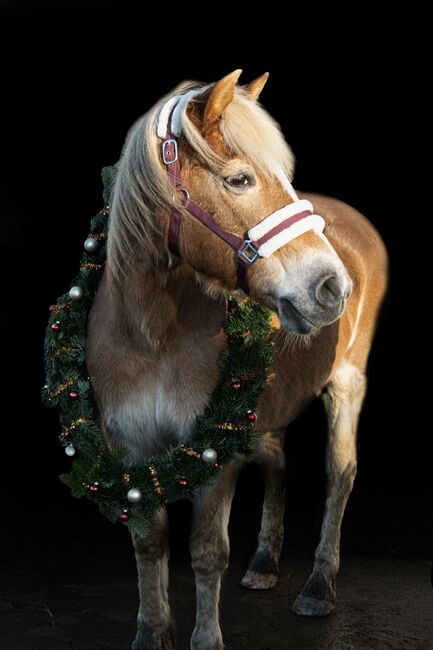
(73, 394)
(53, 308)
(252, 417)
(237, 384)
(124, 516)
(55, 326)
(183, 482)
(94, 487)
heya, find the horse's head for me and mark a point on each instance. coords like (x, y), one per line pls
(235, 165)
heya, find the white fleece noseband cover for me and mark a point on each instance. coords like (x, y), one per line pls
(293, 229)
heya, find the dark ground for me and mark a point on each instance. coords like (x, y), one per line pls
(74, 585)
(348, 91)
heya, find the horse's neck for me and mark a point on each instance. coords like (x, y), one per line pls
(161, 309)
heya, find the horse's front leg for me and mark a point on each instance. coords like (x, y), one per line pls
(209, 544)
(343, 400)
(155, 628)
(262, 572)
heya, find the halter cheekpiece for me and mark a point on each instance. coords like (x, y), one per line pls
(263, 239)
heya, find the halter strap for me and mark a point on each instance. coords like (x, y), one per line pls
(263, 239)
(170, 157)
(247, 252)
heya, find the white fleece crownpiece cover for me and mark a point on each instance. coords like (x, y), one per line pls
(180, 101)
(310, 222)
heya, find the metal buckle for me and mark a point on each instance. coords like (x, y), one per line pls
(248, 254)
(169, 152)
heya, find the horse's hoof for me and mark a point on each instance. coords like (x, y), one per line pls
(262, 572)
(253, 580)
(147, 639)
(306, 606)
(318, 597)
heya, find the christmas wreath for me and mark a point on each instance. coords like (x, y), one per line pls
(223, 434)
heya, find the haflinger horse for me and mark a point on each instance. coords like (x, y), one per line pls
(203, 167)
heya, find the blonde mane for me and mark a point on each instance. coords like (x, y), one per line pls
(142, 189)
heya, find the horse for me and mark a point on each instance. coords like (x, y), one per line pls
(155, 328)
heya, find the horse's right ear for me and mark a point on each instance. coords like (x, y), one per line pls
(254, 88)
(220, 96)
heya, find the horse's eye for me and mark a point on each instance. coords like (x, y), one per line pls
(239, 180)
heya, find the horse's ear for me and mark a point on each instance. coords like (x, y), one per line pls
(220, 96)
(254, 89)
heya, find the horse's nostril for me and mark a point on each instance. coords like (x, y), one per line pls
(329, 291)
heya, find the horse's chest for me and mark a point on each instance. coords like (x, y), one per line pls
(164, 402)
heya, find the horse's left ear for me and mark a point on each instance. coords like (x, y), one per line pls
(254, 89)
(220, 96)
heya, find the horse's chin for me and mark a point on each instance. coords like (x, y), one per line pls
(293, 321)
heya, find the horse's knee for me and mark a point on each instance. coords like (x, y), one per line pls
(209, 540)
(149, 548)
(209, 546)
(349, 473)
(210, 557)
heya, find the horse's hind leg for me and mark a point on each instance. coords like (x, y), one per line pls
(209, 544)
(155, 628)
(343, 401)
(262, 572)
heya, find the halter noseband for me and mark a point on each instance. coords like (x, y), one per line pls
(263, 239)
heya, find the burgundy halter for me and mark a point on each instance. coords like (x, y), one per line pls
(247, 251)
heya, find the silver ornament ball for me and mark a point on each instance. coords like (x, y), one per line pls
(209, 455)
(134, 495)
(70, 450)
(91, 245)
(76, 293)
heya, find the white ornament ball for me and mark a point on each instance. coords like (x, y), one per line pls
(76, 293)
(134, 495)
(209, 455)
(70, 450)
(91, 245)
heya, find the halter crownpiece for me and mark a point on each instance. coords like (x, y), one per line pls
(174, 107)
(263, 239)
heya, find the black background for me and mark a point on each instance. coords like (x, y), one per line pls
(348, 98)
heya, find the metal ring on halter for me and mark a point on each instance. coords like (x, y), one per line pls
(184, 192)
